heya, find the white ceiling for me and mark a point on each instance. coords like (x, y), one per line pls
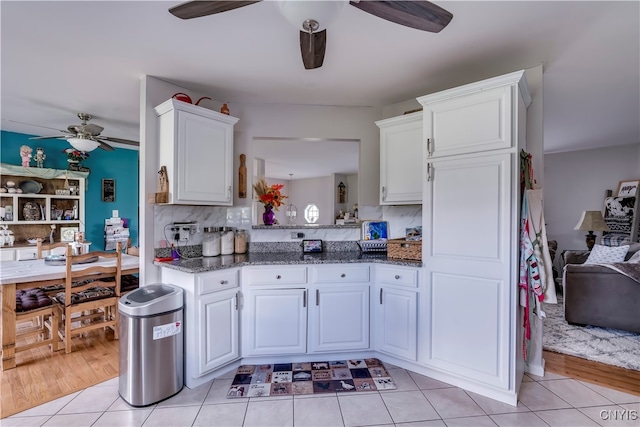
(59, 58)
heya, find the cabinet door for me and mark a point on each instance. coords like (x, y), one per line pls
(275, 322)
(470, 259)
(401, 160)
(204, 151)
(470, 123)
(339, 318)
(7, 255)
(219, 334)
(397, 322)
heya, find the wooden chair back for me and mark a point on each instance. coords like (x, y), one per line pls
(103, 310)
(41, 246)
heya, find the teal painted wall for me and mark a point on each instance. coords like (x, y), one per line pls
(121, 165)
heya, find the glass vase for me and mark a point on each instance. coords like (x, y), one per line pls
(268, 217)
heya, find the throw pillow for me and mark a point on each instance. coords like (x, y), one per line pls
(635, 258)
(607, 254)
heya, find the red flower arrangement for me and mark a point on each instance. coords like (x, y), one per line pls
(75, 155)
(269, 194)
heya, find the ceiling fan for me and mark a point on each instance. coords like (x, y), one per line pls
(419, 14)
(86, 136)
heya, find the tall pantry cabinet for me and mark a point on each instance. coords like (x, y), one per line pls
(472, 138)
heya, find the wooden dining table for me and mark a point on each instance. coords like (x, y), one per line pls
(36, 273)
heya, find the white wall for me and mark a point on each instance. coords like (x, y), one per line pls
(576, 181)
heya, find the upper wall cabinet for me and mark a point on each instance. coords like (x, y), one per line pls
(196, 146)
(471, 118)
(401, 159)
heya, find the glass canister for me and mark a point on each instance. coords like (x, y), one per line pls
(227, 240)
(211, 242)
(241, 242)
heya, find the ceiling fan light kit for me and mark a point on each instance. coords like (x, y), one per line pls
(83, 144)
(312, 17)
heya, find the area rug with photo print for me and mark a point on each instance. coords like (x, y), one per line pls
(284, 379)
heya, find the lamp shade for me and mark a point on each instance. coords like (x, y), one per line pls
(296, 12)
(83, 144)
(591, 221)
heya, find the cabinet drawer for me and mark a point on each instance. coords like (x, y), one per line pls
(277, 276)
(343, 273)
(397, 276)
(25, 254)
(7, 255)
(213, 282)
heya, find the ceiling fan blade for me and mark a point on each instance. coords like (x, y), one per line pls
(419, 14)
(103, 144)
(197, 8)
(118, 140)
(312, 47)
(52, 137)
(90, 128)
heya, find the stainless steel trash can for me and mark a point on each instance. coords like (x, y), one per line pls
(151, 344)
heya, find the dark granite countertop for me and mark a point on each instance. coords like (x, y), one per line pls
(204, 264)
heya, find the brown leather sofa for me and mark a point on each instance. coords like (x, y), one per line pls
(599, 296)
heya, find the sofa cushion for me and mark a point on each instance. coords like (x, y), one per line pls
(607, 254)
(635, 257)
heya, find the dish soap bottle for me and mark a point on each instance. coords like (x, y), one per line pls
(174, 252)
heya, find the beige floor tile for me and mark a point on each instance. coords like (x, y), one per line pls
(269, 413)
(406, 406)
(538, 398)
(453, 403)
(73, 420)
(611, 415)
(188, 396)
(24, 421)
(222, 414)
(426, 383)
(113, 381)
(92, 399)
(172, 417)
(364, 409)
(481, 421)
(432, 423)
(527, 378)
(402, 380)
(492, 407)
(547, 376)
(324, 411)
(49, 408)
(123, 418)
(218, 392)
(121, 405)
(613, 395)
(566, 418)
(575, 393)
(519, 419)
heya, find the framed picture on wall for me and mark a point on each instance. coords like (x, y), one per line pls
(109, 190)
(628, 188)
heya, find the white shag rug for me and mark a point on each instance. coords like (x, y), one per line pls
(610, 346)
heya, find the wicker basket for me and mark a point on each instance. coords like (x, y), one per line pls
(404, 249)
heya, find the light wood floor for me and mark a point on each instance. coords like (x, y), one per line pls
(41, 376)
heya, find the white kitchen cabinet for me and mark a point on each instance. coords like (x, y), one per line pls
(470, 252)
(396, 311)
(211, 317)
(401, 159)
(473, 118)
(339, 318)
(219, 331)
(275, 322)
(196, 146)
(339, 312)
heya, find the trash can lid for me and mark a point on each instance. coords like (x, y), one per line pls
(152, 299)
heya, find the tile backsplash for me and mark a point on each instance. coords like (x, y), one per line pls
(399, 218)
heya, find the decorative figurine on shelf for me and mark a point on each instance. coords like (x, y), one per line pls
(39, 157)
(53, 229)
(25, 154)
(225, 109)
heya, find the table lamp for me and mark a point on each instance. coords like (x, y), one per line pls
(591, 221)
